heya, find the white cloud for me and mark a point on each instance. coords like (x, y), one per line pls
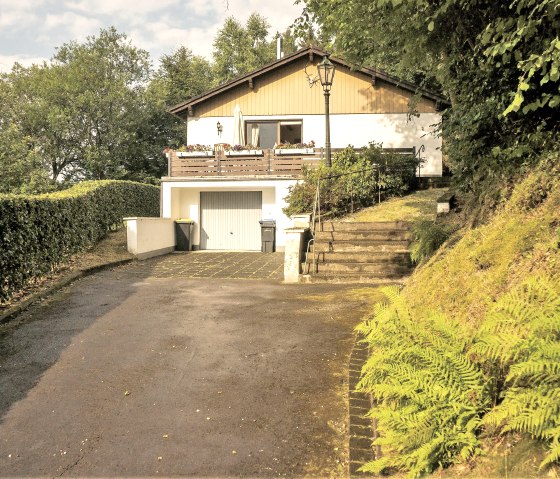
(7, 61)
(69, 25)
(122, 8)
(161, 38)
(17, 15)
(159, 26)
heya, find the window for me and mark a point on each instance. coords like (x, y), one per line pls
(267, 134)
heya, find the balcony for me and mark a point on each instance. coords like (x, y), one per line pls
(285, 163)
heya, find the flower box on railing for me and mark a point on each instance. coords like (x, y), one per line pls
(294, 151)
(184, 154)
(244, 153)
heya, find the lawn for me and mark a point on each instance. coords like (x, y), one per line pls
(417, 205)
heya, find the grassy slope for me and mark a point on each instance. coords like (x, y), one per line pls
(521, 240)
(470, 272)
(417, 205)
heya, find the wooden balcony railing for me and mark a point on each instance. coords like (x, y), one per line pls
(264, 163)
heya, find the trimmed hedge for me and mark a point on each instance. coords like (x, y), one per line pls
(39, 232)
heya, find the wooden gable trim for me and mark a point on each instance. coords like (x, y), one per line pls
(310, 52)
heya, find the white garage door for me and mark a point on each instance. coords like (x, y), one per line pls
(229, 220)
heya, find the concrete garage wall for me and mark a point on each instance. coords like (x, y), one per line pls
(181, 199)
(148, 237)
(393, 130)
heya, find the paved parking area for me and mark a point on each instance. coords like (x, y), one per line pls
(221, 264)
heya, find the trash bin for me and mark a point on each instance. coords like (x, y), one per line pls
(268, 236)
(183, 234)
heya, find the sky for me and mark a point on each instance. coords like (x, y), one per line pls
(31, 29)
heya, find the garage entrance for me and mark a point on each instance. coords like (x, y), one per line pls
(229, 220)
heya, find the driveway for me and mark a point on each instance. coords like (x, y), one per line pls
(132, 372)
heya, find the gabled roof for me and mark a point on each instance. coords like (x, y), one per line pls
(310, 52)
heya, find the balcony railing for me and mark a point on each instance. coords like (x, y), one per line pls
(257, 163)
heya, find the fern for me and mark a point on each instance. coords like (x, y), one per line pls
(522, 332)
(430, 395)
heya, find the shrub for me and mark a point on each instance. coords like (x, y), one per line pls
(354, 181)
(428, 236)
(39, 232)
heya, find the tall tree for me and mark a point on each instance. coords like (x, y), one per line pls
(184, 75)
(21, 168)
(490, 58)
(240, 49)
(106, 77)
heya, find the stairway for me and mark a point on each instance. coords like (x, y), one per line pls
(360, 252)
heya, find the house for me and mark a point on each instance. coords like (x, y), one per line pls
(227, 193)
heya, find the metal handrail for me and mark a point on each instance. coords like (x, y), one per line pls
(317, 211)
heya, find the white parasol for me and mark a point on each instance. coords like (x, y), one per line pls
(238, 131)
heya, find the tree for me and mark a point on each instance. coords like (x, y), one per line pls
(86, 114)
(106, 77)
(184, 75)
(21, 170)
(239, 50)
(487, 57)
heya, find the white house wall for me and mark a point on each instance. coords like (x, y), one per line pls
(181, 199)
(393, 130)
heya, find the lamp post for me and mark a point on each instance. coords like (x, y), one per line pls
(326, 75)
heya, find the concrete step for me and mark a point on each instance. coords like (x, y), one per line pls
(357, 235)
(369, 279)
(328, 226)
(402, 258)
(396, 246)
(382, 270)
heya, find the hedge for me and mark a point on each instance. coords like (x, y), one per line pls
(39, 232)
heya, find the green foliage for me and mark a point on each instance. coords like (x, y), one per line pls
(528, 38)
(429, 395)
(184, 75)
(21, 168)
(428, 236)
(437, 383)
(84, 114)
(354, 180)
(498, 288)
(520, 337)
(39, 232)
(488, 58)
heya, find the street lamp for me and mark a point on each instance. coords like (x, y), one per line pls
(326, 75)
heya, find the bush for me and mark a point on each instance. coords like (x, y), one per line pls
(39, 232)
(428, 236)
(354, 181)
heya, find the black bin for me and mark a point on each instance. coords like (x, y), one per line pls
(183, 234)
(268, 236)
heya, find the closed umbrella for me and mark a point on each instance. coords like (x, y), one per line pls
(238, 131)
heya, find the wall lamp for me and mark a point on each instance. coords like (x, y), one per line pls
(220, 128)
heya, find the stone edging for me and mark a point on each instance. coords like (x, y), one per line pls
(360, 427)
(65, 280)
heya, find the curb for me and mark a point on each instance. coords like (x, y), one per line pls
(360, 427)
(14, 311)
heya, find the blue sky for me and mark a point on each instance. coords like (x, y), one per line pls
(31, 29)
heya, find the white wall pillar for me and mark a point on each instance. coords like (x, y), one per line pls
(293, 252)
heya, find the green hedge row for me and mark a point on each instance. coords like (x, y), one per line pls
(39, 232)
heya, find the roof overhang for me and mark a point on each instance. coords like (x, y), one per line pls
(186, 108)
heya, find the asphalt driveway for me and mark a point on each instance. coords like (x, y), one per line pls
(127, 373)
